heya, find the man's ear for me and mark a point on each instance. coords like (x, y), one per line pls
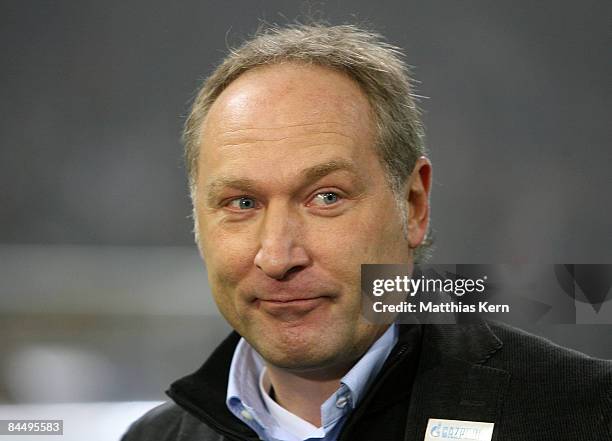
(417, 194)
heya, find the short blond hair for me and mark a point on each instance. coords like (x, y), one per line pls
(377, 66)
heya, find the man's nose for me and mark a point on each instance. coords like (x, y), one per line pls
(281, 251)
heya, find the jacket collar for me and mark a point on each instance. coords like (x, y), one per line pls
(454, 379)
(203, 393)
(442, 365)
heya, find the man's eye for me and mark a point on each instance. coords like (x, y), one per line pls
(242, 203)
(327, 198)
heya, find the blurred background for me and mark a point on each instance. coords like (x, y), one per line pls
(103, 298)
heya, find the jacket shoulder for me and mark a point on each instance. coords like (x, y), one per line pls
(169, 422)
(545, 375)
(521, 349)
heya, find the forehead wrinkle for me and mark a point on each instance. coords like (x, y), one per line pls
(257, 141)
(288, 126)
(255, 135)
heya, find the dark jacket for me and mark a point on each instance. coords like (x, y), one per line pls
(530, 388)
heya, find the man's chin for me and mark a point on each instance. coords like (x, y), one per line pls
(297, 360)
(295, 352)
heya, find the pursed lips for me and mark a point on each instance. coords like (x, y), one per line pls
(289, 298)
(294, 298)
(275, 291)
(298, 301)
(290, 308)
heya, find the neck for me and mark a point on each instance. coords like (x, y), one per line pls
(303, 393)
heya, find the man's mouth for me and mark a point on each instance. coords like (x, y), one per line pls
(288, 298)
(290, 306)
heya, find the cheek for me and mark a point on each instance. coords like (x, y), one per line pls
(227, 264)
(340, 248)
(376, 236)
(228, 255)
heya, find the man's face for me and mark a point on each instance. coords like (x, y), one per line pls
(291, 199)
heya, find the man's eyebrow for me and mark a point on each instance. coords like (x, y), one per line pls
(320, 170)
(213, 189)
(249, 186)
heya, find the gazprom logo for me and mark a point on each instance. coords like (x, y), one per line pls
(458, 430)
(455, 432)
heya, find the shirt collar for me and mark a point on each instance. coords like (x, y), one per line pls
(245, 400)
(365, 370)
(285, 419)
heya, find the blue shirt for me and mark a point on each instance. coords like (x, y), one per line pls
(245, 401)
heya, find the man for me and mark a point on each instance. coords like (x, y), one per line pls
(305, 159)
